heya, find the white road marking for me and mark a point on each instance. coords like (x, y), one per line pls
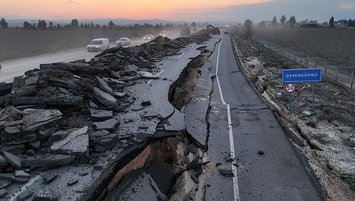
(217, 66)
(230, 128)
(181, 55)
(156, 75)
(231, 146)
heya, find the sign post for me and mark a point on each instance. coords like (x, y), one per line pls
(290, 88)
(289, 76)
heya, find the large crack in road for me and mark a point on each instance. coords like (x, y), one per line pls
(127, 121)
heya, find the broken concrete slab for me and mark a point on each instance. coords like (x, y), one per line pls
(13, 159)
(35, 118)
(109, 125)
(104, 98)
(100, 114)
(76, 143)
(48, 161)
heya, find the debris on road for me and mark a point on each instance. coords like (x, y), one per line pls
(67, 114)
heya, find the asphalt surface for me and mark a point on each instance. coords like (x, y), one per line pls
(247, 140)
(18, 67)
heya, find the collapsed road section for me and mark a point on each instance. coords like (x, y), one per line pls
(69, 129)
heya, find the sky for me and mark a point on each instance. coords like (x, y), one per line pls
(178, 10)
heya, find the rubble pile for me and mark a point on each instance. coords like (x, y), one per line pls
(146, 54)
(66, 113)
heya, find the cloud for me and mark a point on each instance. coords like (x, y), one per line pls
(347, 6)
(72, 2)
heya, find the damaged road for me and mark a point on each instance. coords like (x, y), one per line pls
(95, 118)
(252, 157)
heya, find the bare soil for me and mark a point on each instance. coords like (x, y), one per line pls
(336, 46)
(326, 136)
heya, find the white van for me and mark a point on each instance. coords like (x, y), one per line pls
(98, 44)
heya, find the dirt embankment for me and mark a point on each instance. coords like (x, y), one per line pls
(326, 135)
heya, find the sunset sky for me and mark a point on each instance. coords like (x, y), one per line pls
(175, 9)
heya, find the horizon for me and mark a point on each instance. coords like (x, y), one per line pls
(177, 11)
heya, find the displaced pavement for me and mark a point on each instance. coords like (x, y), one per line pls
(253, 157)
(68, 128)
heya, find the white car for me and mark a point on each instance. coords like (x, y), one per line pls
(148, 37)
(98, 44)
(124, 41)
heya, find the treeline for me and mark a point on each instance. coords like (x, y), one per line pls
(292, 22)
(45, 25)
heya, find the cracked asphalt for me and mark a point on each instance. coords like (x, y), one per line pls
(247, 140)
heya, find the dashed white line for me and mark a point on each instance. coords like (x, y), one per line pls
(181, 55)
(156, 76)
(230, 129)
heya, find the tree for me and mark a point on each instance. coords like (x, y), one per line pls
(41, 24)
(331, 22)
(3, 23)
(193, 26)
(283, 19)
(74, 23)
(274, 22)
(292, 21)
(111, 25)
(27, 25)
(249, 28)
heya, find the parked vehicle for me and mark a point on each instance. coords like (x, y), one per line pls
(148, 37)
(163, 33)
(123, 41)
(98, 44)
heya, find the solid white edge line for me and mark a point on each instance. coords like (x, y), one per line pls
(156, 75)
(217, 66)
(231, 144)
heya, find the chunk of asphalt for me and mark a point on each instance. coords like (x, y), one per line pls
(3, 193)
(260, 152)
(45, 195)
(35, 118)
(48, 161)
(76, 143)
(3, 162)
(72, 181)
(103, 85)
(100, 114)
(104, 98)
(13, 159)
(21, 174)
(109, 125)
(4, 183)
(226, 172)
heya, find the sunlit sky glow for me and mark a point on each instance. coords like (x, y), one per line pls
(133, 9)
(174, 9)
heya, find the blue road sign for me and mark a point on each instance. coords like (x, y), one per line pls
(302, 75)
